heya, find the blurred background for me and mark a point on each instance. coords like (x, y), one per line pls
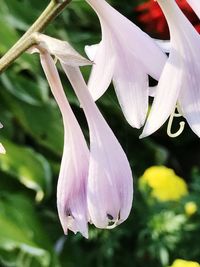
(164, 224)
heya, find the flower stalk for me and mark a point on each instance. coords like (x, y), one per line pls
(28, 39)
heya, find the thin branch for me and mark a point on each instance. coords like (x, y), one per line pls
(26, 41)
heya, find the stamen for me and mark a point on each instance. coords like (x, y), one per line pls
(170, 122)
(110, 217)
(112, 223)
(112, 226)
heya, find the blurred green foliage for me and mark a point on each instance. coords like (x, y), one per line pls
(30, 232)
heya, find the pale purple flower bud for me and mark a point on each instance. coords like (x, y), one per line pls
(110, 184)
(72, 182)
(125, 55)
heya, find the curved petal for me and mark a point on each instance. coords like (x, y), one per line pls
(166, 96)
(180, 73)
(71, 188)
(61, 49)
(132, 38)
(102, 69)
(189, 98)
(110, 186)
(131, 86)
(72, 181)
(144, 49)
(91, 51)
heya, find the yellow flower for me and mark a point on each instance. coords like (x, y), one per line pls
(183, 263)
(190, 208)
(164, 183)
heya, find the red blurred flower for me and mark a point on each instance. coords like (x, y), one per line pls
(154, 22)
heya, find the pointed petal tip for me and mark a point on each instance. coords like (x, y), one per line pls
(75, 60)
(134, 121)
(134, 124)
(61, 49)
(83, 232)
(91, 51)
(142, 136)
(146, 131)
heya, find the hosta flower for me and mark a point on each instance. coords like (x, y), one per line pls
(179, 82)
(101, 178)
(125, 55)
(72, 182)
(110, 185)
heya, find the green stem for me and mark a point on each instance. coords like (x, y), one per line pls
(27, 40)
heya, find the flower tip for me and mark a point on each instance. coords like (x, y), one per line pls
(143, 135)
(146, 131)
(135, 124)
(91, 51)
(2, 149)
(81, 61)
(133, 121)
(85, 234)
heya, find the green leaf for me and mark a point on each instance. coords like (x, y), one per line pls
(24, 88)
(21, 234)
(28, 167)
(42, 122)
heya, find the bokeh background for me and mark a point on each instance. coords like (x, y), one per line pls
(164, 224)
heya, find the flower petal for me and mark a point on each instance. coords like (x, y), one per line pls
(110, 186)
(189, 98)
(166, 96)
(181, 70)
(61, 49)
(131, 86)
(131, 38)
(71, 189)
(91, 51)
(102, 70)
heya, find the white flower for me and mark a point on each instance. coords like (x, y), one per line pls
(125, 55)
(110, 183)
(94, 185)
(179, 83)
(72, 181)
